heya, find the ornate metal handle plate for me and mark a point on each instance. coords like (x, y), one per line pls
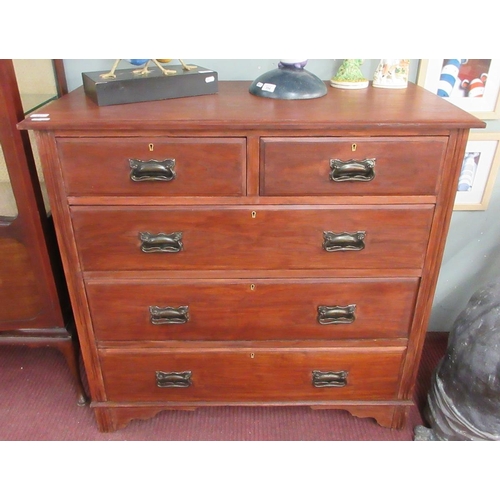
(341, 242)
(161, 242)
(152, 170)
(329, 379)
(352, 170)
(336, 315)
(173, 379)
(169, 315)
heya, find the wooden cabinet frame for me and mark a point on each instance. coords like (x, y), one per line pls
(35, 307)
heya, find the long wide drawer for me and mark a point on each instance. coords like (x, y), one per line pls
(264, 237)
(251, 374)
(251, 310)
(133, 166)
(353, 166)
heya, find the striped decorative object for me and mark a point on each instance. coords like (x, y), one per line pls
(448, 77)
(468, 173)
(476, 88)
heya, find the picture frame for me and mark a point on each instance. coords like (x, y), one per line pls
(479, 171)
(470, 84)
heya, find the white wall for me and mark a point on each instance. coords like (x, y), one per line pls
(471, 258)
(472, 253)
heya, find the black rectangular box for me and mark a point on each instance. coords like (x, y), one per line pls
(129, 87)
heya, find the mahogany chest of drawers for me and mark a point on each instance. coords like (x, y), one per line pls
(234, 250)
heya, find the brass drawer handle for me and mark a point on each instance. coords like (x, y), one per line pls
(173, 379)
(341, 242)
(336, 315)
(152, 170)
(329, 379)
(161, 242)
(352, 170)
(169, 315)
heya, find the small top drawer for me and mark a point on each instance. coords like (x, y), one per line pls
(132, 166)
(351, 166)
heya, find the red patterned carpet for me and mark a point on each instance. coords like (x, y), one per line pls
(38, 403)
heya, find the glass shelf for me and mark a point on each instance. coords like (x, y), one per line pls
(31, 102)
(37, 86)
(36, 82)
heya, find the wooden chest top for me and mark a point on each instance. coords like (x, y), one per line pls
(234, 107)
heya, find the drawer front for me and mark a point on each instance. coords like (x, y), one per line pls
(197, 238)
(252, 310)
(354, 166)
(174, 167)
(230, 375)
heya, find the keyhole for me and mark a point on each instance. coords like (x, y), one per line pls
(254, 214)
(252, 355)
(353, 147)
(151, 146)
(252, 287)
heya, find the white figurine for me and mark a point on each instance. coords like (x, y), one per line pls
(392, 74)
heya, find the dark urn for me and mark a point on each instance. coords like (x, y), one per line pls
(463, 403)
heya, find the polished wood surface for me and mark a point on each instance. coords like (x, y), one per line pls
(234, 108)
(252, 374)
(207, 167)
(253, 267)
(250, 237)
(20, 296)
(261, 309)
(294, 166)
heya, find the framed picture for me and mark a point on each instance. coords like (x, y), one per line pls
(479, 169)
(470, 84)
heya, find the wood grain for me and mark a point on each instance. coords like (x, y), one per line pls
(259, 238)
(252, 203)
(208, 167)
(292, 166)
(221, 375)
(260, 309)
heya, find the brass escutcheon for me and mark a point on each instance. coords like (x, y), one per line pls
(353, 147)
(254, 214)
(151, 146)
(252, 287)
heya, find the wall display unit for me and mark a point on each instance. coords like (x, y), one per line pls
(471, 84)
(479, 171)
(34, 303)
(233, 250)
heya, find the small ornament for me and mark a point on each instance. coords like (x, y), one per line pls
(392, 74)
(144, 70)
(292, 63)
(349, 75)
(290, 80)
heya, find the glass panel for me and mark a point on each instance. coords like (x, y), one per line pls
(8, 206)
(37, 86)
(36, 82)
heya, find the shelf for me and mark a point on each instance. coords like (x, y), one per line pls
(36, 82)
(31, 102)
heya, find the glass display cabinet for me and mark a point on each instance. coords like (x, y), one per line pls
(34, 306)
